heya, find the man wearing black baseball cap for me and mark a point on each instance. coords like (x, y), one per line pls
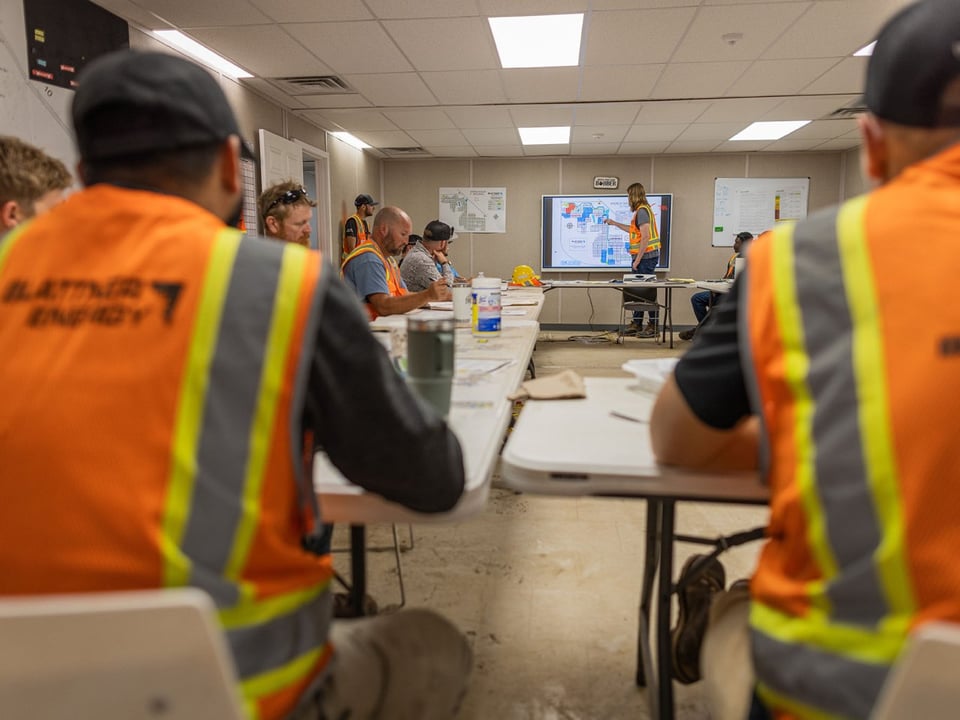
(170, 376)
(355, 230)
(847, 415)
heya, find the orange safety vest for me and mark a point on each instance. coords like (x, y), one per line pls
(149, 429)
(363, 236)
(394, 280)
(653, 244)
(860, 441)
(731, 266)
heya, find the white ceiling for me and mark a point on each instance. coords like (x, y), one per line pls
(656, 76)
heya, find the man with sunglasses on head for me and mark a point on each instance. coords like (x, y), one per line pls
(286, 210)
(31, 182)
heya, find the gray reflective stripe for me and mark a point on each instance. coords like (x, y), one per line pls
(852, 526)
(749, 370)
(821, 680)
(308, 498)
(216, 508)
(268, 646)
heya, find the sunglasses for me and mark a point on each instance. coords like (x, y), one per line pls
(288, 198)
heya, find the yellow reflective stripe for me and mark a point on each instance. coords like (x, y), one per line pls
(250, 612)
(7, 242)
(866, 645)
(193, 391)
(276, 680)
(774, 700)
(797, 364)
(874, 408)
(285, 304)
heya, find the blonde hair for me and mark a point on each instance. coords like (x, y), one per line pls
(27, 173)
(637, 195)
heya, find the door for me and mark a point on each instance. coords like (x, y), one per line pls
(280, 160)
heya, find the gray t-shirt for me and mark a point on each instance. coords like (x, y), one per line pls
(419, 269)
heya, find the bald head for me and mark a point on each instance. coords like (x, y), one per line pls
(391, 227)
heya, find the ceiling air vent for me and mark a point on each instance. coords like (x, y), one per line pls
(851, 109)
(404, 151)
(313, 85)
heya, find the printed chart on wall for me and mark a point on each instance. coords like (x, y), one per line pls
(755, 205)
(474, 210)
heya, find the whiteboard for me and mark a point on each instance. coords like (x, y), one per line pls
(755, 205)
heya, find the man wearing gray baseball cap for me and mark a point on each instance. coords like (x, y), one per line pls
(170, 381)
(820, 371)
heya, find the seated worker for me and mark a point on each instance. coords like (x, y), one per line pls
(372, 271)
(170, 379)
(355, 231)
(31, 182)
(427, 260)
(703, 301)
(412, 240)
(815, 370)
(286, 210)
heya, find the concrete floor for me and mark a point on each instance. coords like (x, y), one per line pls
(547, 588)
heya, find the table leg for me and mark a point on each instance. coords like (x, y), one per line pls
(664, 597)
(644, 658)
(358, 568)
(668, 315)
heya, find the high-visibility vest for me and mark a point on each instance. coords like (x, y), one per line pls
(855, 389)
(394, 280)
(363, 236)
(635, 242)
(150, 424)
(731, 266)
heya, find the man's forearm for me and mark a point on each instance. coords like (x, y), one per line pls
(397, 305)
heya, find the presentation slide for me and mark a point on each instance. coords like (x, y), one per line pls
(575, 236)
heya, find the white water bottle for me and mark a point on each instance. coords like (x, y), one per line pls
(485, 319)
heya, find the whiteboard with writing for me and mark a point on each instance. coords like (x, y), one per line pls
(755, 204)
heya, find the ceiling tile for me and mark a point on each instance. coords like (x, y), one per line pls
(365, 120)
(421, 8)
(498, 150)
(758, 24)
(829, 29)
(451, 151)
(847, 76)
(386, 139)
(419, 119)
(255, 48)
(808, 108)
(839, 144)
(671, 112)
(779, 77)
(606, 113)
(652, 133)
(304, 11)
(352, 100)
(643, 148)
(449, 138)
(622, 82)
(463, 87)
(492, 136)
(541, 84)
(789, 144)
(742, 146)
(594, 148)
(634, 4)
(351, 47)
(536, 150)
(495, 8)
(606, 133)
(445, 43)
(480, 117)
(623, 37)
(825, 129)
(738, 110)
(691, 146)
(396, 89)
(212, 13)
(712, 131)
(694, 80)
(545, 116)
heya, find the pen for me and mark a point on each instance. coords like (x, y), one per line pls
(632, 418)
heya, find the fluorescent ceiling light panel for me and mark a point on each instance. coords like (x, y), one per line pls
(769, 130)
(545, 135)
(866, 50)
(199, 52)
(538, 40)
(350, 140)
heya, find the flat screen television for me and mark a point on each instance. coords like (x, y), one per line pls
(575, 237)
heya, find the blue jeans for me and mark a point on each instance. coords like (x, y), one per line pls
(701, 302)
(646, 266)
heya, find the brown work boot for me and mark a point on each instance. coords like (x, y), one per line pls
(648, 332)
(685, 334)
(694, 597)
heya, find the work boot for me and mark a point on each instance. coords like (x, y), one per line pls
(685, 334)
(648, 332)
(694, 596)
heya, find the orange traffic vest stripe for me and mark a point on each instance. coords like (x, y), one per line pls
(635, 241)
(394, 280)
(159, 358)
(860, 510)
(363, 236)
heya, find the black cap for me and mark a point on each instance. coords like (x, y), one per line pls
(171, 103)
(916, 57)
(413, 239)
(364, 200)
(744, 236)
(438, 231)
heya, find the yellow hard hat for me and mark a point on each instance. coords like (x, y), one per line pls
(522, 275)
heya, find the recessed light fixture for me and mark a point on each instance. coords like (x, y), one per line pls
(545, 135)
(769, 130)
(350, 140)
(199, 52)
(866, 50)
(538, 40)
